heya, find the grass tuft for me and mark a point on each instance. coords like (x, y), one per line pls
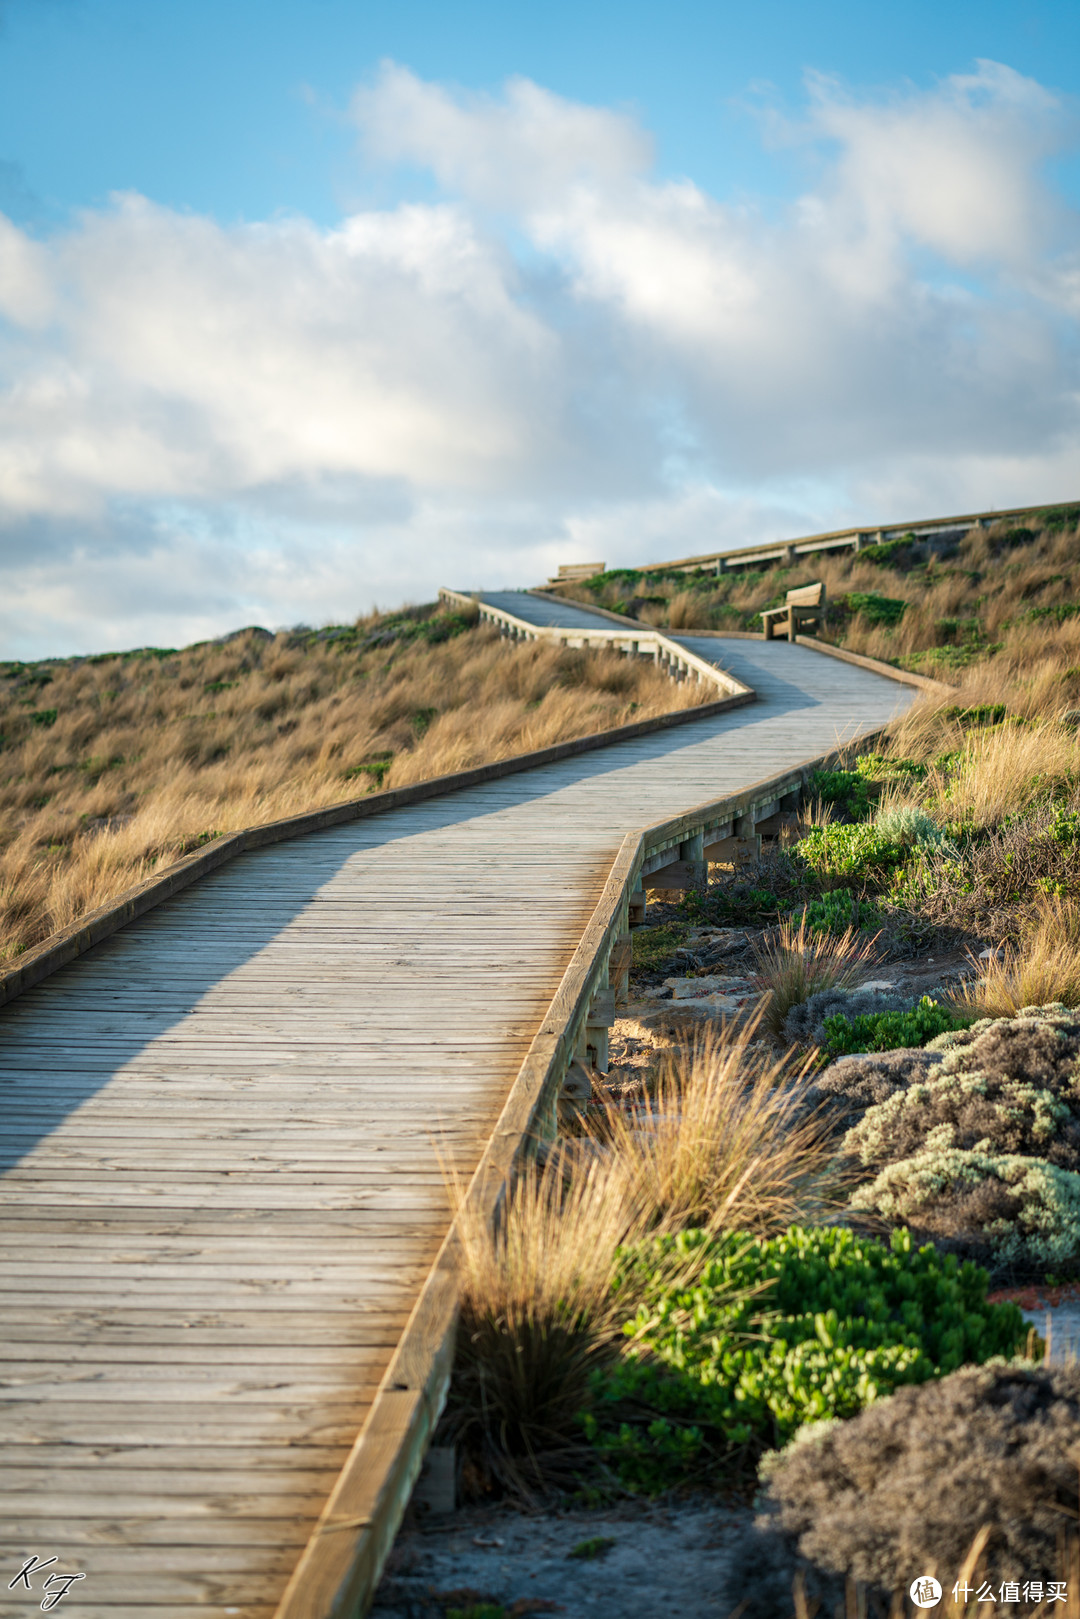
(722, 1142)
(1043, 969)
(796, 962)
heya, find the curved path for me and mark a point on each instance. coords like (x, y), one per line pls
(222, 1189)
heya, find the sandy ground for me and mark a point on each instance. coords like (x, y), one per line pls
(659, 1561)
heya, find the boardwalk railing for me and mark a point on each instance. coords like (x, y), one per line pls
(841, 539)
(339, 1570)
(667, 654)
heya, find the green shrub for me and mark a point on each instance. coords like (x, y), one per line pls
(857, 851)
(981, 714)
(837, 910)
(911, 828)
(891, 1031)
(888, 553)
(844, 788)
(1064, 517)
(874, 608)
(375, 767)
(881, 767)
(993, 1113)
(1023, 1213)
(836, 1322)
(44, 717)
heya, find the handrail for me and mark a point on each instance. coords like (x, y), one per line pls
(835, 539)
(664, 650)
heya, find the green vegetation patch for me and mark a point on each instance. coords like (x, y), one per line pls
(375, 766)
(1059, 612)
(858, 851)
(890, 1031)
(887, 610)
(889, 553)
(770, 1335)
(978, 715)
(587, 1550)
(1063, 517)
(44, 717)
(844, 788)
(839, 909)
(653, 948)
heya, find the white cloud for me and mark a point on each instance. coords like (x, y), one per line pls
(512, 154)
(203, 423)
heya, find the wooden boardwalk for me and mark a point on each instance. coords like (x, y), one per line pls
(222, 1127)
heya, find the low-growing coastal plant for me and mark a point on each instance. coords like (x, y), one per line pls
(976, 1140)
(797, 961)
(838, 910)
(885, 1031)
(1019, 1215)
(857, 852)
(975, 1471)
(844, 789)
(771, 1335)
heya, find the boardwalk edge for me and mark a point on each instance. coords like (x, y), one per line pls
(339, 1570)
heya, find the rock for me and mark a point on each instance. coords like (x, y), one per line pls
(718, 941)
(693, 989)
(880, 986)
(672, 1020)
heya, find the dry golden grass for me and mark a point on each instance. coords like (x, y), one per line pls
(794, 963)
(1043, 968)
(722, 1142)
(538, 1306)
(113, 767)
(995, 772)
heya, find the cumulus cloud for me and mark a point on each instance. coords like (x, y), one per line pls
(202, 423)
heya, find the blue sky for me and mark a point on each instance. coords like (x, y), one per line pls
(306, 306)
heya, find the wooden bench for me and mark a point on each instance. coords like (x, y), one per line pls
(801, 607)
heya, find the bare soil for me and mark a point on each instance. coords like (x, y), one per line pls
(647, 1561)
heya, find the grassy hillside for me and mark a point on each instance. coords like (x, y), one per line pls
(1002, 601)
(112, 766)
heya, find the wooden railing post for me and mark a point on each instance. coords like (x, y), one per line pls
(692, 851)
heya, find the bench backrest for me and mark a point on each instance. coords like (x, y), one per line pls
(573, 572)
(806, 596)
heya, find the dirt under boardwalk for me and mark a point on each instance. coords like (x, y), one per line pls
(222, 1190)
